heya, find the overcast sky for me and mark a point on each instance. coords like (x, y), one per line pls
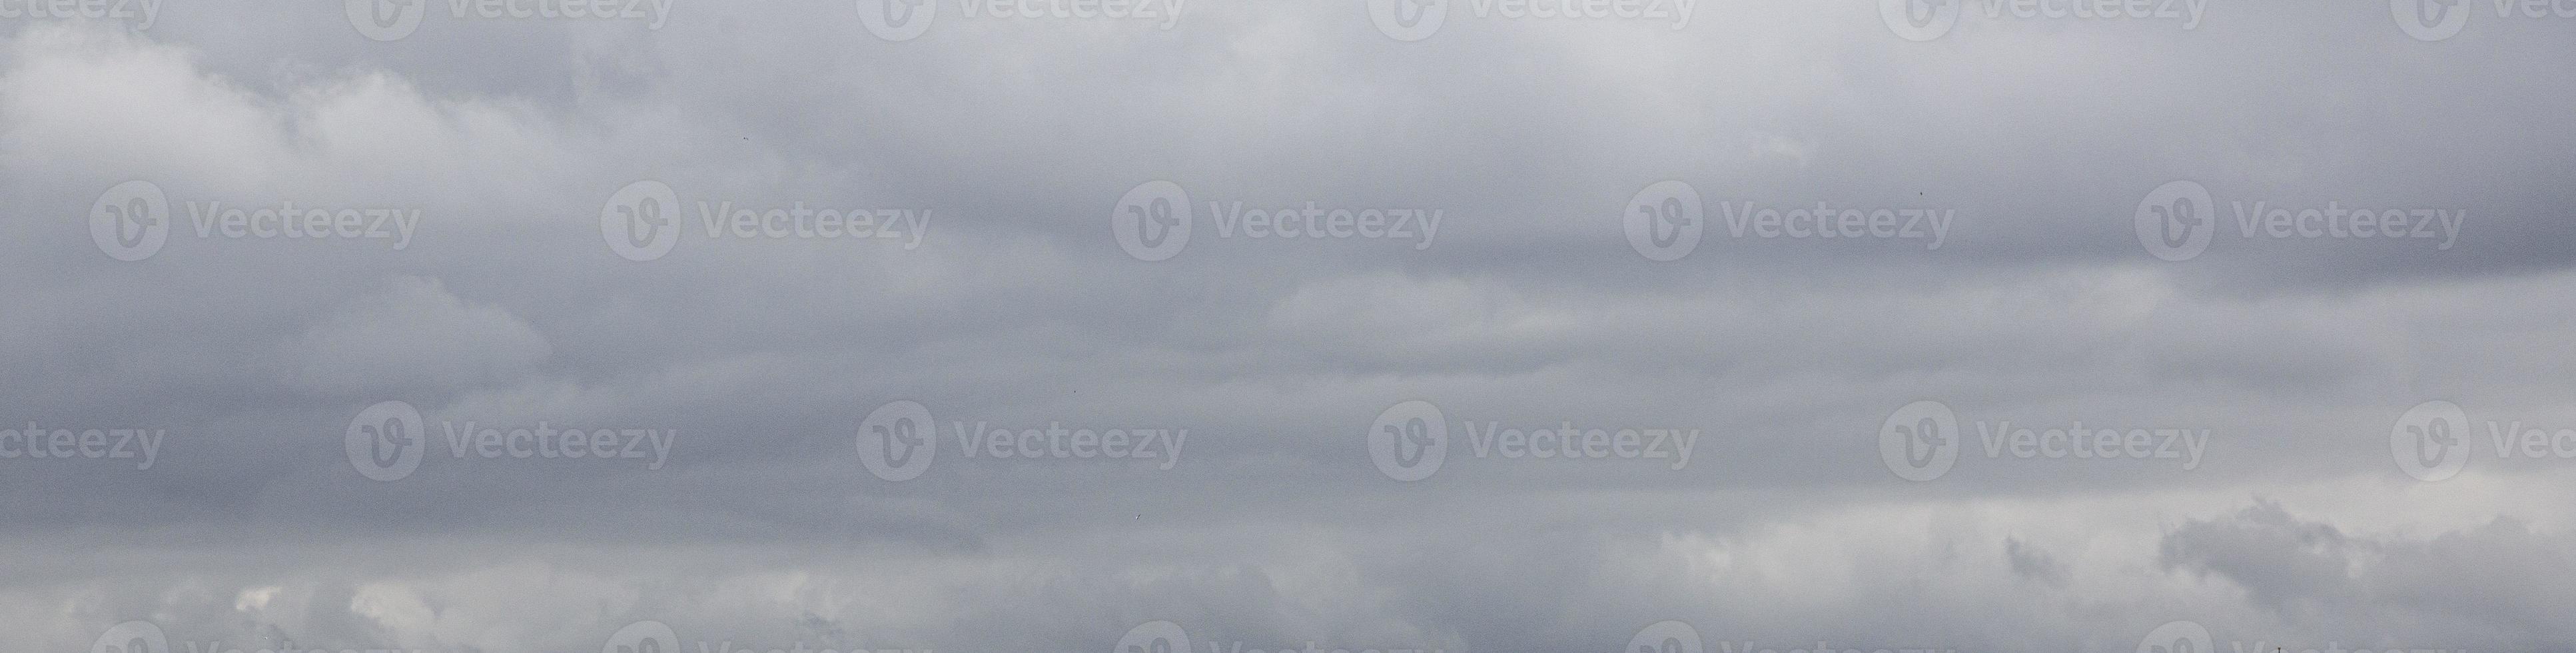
(1095, 326)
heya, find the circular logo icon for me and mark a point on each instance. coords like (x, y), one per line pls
(1919, 20)
(2430, 20)
(1408, 20)
(1152, 221)
(1663, 220)
(896, 440)
(386, 440)
(385, 20)
(641, 221)
(897, 20)
(1920, 441)
(1154, 637)
(2430, 440)
(1409, 440)
(130, 221)
(643, 637)
(2176, 637)
(1666, 637)
(132, 637)
(2176, 220)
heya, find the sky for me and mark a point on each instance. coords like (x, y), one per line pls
(1394, 326)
